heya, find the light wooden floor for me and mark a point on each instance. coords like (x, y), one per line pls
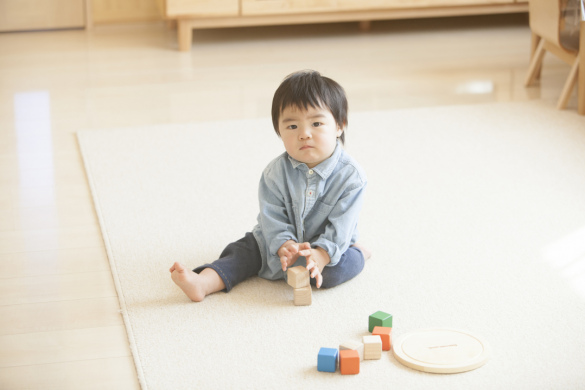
(59, 322)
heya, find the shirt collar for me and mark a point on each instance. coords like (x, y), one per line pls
(325, 168)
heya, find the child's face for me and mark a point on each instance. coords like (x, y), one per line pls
(309, 136)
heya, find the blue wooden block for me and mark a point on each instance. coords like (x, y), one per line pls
(327, 360)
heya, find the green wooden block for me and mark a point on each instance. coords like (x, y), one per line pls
(380, 318)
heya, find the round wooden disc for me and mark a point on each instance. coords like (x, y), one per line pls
(441, 351)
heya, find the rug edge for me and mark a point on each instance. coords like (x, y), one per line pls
(127, 324)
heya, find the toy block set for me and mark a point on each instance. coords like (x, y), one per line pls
(350, 354)
(298, 278)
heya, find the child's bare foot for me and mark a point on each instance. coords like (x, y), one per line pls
(366, 252)
(192, 284)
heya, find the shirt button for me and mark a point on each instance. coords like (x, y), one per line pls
(310, 171)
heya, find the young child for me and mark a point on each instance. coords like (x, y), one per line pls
(310, 199)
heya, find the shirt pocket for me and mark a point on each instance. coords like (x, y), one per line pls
(322, 208)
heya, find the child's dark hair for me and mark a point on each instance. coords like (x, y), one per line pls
(308, 88)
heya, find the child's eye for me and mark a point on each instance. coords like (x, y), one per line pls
(317, 124)
(292, 127)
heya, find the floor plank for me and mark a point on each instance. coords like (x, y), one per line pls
(61, 315)
(50, 288)
(96, 374)
(63, 346)
(50, 239)
(53, 262)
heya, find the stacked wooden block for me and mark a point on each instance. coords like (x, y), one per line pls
(298, 278)
(380, 324)
(379, 318)
(350, 354)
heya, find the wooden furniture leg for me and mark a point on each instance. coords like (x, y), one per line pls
(581, 61)
(534, 41)
(185, 35)
(535, 63)
(569, 84)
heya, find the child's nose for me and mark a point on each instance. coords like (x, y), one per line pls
(304, 133)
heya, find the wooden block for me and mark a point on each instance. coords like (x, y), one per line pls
(303, 296)
(380, 318)
(372, 347)
(349, 362)
(355, 345)
(327, 360)
(298, 277)
(385, 334)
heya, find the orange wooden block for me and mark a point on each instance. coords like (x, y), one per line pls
(349, 362)
(386, 336)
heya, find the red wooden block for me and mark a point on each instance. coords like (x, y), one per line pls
(349, 362)
(386, 336)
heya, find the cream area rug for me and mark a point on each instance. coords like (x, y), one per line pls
(475, 216)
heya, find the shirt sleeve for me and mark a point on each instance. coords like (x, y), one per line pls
(342, 225)
(277, 227)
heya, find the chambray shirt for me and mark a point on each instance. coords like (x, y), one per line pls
(319, 205)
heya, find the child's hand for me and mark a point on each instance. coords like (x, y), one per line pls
(290, 251)
(316, 261)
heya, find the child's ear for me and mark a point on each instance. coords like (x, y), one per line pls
(340, 130)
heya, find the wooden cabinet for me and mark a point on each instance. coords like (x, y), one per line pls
(274, 7)
(122, 11)
(21, 15)
(397, 4)
(202, 8)
(196, 14)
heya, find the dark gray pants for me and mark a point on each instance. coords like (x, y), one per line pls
(241, 260)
